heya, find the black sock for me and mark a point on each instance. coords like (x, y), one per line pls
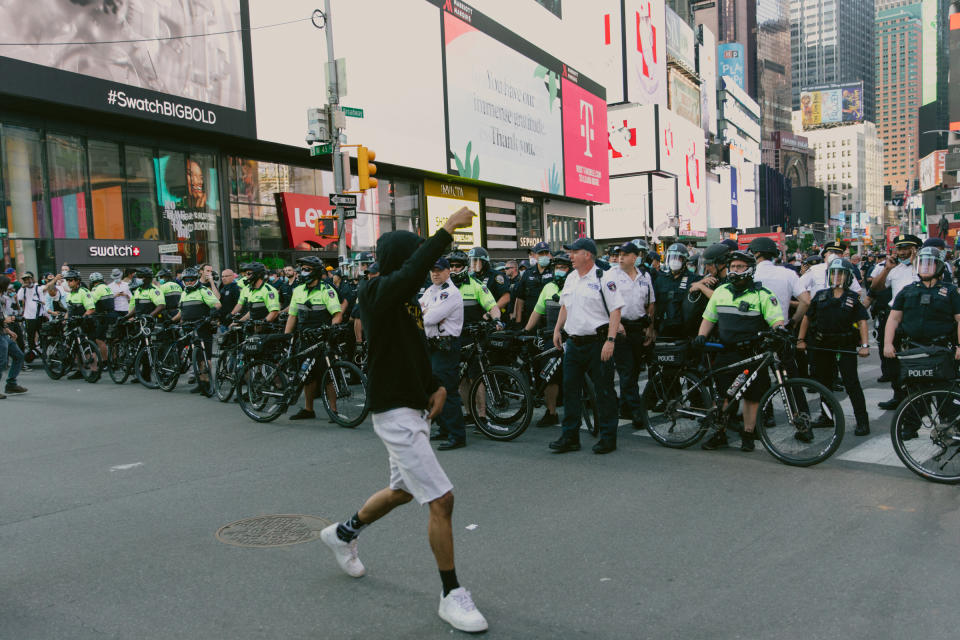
(449, 579)
(350, 529)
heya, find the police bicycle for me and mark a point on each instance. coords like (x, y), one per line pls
(65, 345)
(230, 355)
(790, 437)
(925, 429)
(277, 366)
(136, 352)
(188, 352)
(499, 398)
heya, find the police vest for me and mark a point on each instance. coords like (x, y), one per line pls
(76, 302)
(313, 305)
(146, 299)
(171, 294)
(835, 319)
(261, 301)
(103, 298)
(195, 305)
(551, 305)
(471, 291)
(928, 312)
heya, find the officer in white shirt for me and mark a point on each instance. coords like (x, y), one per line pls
(121, 290)
(896, 275)
(636, 334)
(815, 279)
(782, 282)
(30, 298)
(590, 316)
(442, 307)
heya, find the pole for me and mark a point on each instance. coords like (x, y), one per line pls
(333, 105)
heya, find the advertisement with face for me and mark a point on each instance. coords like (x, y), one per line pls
(646, 55)
(134, 58)
(504, 112)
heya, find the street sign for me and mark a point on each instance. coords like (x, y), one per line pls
(167, 248)
(343, 200)
(170, 259)
(352, 112)
(321, 149)
(349, 214)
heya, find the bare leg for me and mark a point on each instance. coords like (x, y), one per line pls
(441, 530)
(750, 408)
(383, 502)
(550, 395)
(309, 393)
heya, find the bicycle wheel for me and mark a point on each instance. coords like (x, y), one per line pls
(792, 440)
(168, 368)
(200, 362)
(260, 390)
(144, 365)
(55, 362)
(117, 361)
(89, 361)
(589, 411)
(346, 384)
(684, 416)
(501, 403)
(225, 372)
(926, 434)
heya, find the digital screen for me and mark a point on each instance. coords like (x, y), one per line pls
(832, 106)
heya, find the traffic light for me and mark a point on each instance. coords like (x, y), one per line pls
(365, 168)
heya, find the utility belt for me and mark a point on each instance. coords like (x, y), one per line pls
(598, 336)
(836, 340)
(638, 325)
(442, 343)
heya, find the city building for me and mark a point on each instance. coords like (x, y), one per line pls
(899, 63)
(734, 22)
(774, 92)
(792, 156)
(832, 43)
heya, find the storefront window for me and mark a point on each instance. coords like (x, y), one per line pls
(529, 222)
(141, 194)
(564, 230)
(67, 169)
(106, 189)
(24, 209)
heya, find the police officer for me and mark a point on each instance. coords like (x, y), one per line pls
(928, 311)
(259, 298)
(531, 283)
(171, 289)
(641, 262)
(494, 279)
(103, 302)
(637, 332)
(590, 316)
(198, 303)
(784, 283)
(815, 278)
(442, 307)
(836, 320)
(79, 303)
(739, 310)
(313, 304)
(147, 298)
(880, 309)
(548, 307)
(671, 289)
(478, 302)
(895, 276)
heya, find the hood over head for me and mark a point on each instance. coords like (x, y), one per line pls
(393, 249)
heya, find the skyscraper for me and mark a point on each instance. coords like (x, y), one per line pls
(773, 65)
(899, 61)
(733, 21)
(832, 41)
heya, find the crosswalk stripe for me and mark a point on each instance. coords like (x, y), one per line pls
(876, 450)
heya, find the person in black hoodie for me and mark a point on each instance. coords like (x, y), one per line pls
(404, 397)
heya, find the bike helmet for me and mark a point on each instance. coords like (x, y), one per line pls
(765, 247)
(562, 258)
(840, 273)
(96, 276)
(930, 263)
(311, 261)
(191, 279)
(257, 271)
(742, 279)
(715, 254)
(164, 273)
(479, 253)
(145, 273)
(458, 258)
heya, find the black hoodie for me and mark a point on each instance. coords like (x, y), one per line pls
(399, 365)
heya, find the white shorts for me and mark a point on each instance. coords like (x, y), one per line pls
(414, 467)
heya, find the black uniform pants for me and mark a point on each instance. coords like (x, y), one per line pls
(628, 354)
(824, 364)
(886, 364)
(33, 328)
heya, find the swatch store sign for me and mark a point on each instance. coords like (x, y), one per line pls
(81, 252)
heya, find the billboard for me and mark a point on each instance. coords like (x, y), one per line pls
(707, 68)
(684, 97)
(731, 61)
(143, 60)
(681, 145)
(929, 46)
(831, 105)
(608, 24)
(954, 73)
(646, 55)
(681, 43)
(632, 138)
(931, 169)
(586, 166)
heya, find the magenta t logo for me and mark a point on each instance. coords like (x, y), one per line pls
(586, 125)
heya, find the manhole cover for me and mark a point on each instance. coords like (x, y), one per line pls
(272, 531)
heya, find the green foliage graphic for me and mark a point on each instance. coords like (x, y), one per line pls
(552, 81)
(464, 167)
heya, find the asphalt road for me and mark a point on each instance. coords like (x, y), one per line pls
(114, 495)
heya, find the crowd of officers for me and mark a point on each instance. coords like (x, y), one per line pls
(605, 312)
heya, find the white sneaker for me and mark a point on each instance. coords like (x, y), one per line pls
(344, 552)
(458, 610)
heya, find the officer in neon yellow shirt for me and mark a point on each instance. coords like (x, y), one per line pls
(79, 303)
(739, 309)
(312, 304)
(171, 289)
(197, 303)
(103, 301)
(260, 300)
(147, 299)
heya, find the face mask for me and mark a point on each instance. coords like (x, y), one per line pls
(638, 263)
(533, 261)
(904, 260)
(674, 264)
(559, 274)
(306, 273)
(543, 261)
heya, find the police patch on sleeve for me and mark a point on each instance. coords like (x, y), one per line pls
(773, 300)
(484, 288)
(444, 295)
(612, 285)
(271, 295)
(499, 279)
(329, 293)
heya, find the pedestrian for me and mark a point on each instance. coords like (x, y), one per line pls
(404, 397)
(837, 321)
(590, 316)
(442, 307)
(30, 299)
(636, 336)
(9, 351)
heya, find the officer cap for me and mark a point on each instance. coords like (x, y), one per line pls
(374, 268)
(763, 246)
(479, 253)
(310, 261)
(190, 273)
(935, 242)
(715, 253)
(630, 247)
(540, 247)
(731, 244)
(562, 258)
(907, 240)
(96, 276)
(837, 247)
(584, 243)
(614, 249)
(812, 260)
(366, 256)
(441, 264)
(71, 275)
